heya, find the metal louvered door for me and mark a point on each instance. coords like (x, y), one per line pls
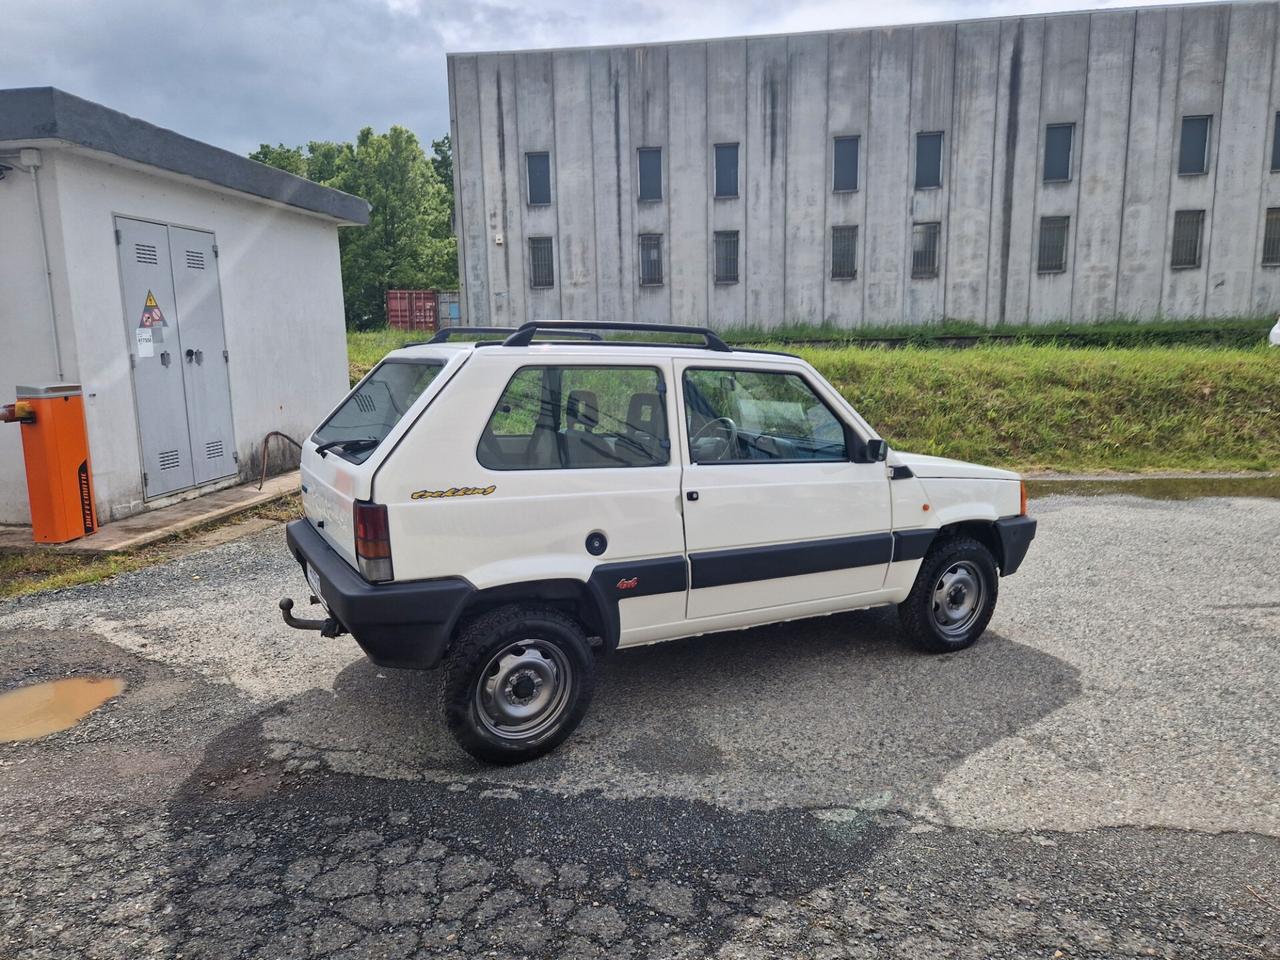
(204, 353)
(151, 322)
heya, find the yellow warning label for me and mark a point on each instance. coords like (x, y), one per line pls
(151, 300)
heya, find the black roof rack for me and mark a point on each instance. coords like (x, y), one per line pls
(524, 336)
(447, 333)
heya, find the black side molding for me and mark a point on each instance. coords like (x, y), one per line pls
(720, 568)
(611, 583)
(1016, 534)
(911, 544)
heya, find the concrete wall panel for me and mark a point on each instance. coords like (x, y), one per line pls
(727, 123)
(1235, 245)
(649, 128)
(1104, 142)
(611, 133)
(1145, 212)
(472, 217)
(686, 247)
(500, 168)
(888, 154)
(535, 112)
(1022, 155)
(765, 190)
(575, 206)
(1266, 280)
(806, 180)
(932, 83)
(848, 106)
(973, 144)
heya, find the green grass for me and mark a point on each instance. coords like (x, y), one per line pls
(1048, 405)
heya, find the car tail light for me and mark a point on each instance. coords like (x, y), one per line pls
(1022, 500)
(373, 541)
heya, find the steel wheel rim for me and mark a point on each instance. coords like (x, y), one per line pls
(958, 598)
(523, 691)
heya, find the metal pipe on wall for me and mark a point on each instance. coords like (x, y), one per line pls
(31, 162)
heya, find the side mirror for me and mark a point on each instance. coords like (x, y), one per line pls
(877, 450)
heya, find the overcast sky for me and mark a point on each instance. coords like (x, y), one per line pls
(240, 72)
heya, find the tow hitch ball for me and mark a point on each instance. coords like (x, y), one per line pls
(328, 627)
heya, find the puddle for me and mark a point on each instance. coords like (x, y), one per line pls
(1157, 488)
(45, 708)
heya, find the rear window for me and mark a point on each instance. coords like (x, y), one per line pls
(375, 406)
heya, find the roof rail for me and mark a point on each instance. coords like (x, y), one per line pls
(524, 336)
(447, 333)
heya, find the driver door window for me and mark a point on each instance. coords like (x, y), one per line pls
(753, 416)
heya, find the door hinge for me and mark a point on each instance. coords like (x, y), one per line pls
(215, 251)
(235, 456)
(226, 356)
(133, 361)
(145, 480)
(118, 238)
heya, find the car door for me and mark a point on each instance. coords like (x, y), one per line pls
(777, 510)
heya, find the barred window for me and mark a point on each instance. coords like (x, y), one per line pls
(650, 164)
(928, 160)
(726, 256)
(538, 170)
(726, 170)
(1052, 257)
(1193, 148)
(1057, 151)
(924, 250)
(844, 253)
(845, 176)
(542, 272)
(1275, 145)
(1188, 225)
(650, 259)
(1271, 239)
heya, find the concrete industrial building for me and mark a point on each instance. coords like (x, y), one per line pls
(1069, 166)
(177, 283)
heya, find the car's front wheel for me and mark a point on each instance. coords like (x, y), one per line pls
(516, 683)
(953, 597)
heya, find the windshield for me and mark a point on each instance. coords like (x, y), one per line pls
(373, 408)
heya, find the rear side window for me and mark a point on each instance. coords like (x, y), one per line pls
(375, 406)
(578, 417)
(749, 416)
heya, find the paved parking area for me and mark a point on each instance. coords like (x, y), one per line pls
(1100, 776)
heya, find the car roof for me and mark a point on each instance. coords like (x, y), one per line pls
(577, 350)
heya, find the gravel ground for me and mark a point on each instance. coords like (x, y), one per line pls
(1100, 776)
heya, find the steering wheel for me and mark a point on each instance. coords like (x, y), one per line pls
(728, 430)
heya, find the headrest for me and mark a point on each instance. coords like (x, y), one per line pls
(583, 408)
(644, 411)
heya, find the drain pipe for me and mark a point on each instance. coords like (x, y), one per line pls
(31, 161)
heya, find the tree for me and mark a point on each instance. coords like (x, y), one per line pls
(442, 160)
(408, 242)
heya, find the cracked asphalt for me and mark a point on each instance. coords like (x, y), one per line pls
(1099, 776)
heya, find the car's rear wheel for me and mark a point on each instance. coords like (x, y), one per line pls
(953, 597)
(517, 681)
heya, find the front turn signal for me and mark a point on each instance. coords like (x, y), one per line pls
(1022, 498)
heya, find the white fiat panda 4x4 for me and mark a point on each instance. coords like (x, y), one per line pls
(512, 507)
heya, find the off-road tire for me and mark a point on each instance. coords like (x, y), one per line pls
(917, 613)
(477, 643)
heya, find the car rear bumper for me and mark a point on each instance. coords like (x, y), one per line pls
(396, 624)
(1016, 534)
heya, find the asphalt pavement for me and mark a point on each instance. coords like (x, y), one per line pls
(1099, 776)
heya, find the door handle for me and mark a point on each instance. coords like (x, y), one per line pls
(691, 495)
(191, 354)
(164, 358)
(196, 355)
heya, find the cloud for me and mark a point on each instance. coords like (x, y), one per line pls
(241, 72)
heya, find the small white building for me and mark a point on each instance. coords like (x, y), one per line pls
(196, 296)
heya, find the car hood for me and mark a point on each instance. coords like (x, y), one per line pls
(944, 468)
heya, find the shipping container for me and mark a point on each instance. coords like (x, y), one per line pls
(411, 309)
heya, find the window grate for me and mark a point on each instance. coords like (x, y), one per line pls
(1271, 239)
(538, 173)
(1193, 147)
(1057, 152)
(1052, 254)
(844, 253)
(650, 259)
(726, 256)
(542, 274)
(195, 260)
(1188, 225)
(650, 170)
(928, 160)
(726, 157)
(844, 178)
(146, 253)
(924, 250)
(213, 450)
(169, 460)
(1275, 145)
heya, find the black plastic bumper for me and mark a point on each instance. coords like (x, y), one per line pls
(1016, 534)
(396, 624)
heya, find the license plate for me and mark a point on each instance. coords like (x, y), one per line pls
(313, 581)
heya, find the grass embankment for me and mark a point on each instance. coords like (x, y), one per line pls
(1074, 410)
(41, 568)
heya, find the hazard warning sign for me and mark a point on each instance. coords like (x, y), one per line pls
(151, 327)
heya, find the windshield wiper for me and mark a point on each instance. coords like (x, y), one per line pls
(356, 443)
